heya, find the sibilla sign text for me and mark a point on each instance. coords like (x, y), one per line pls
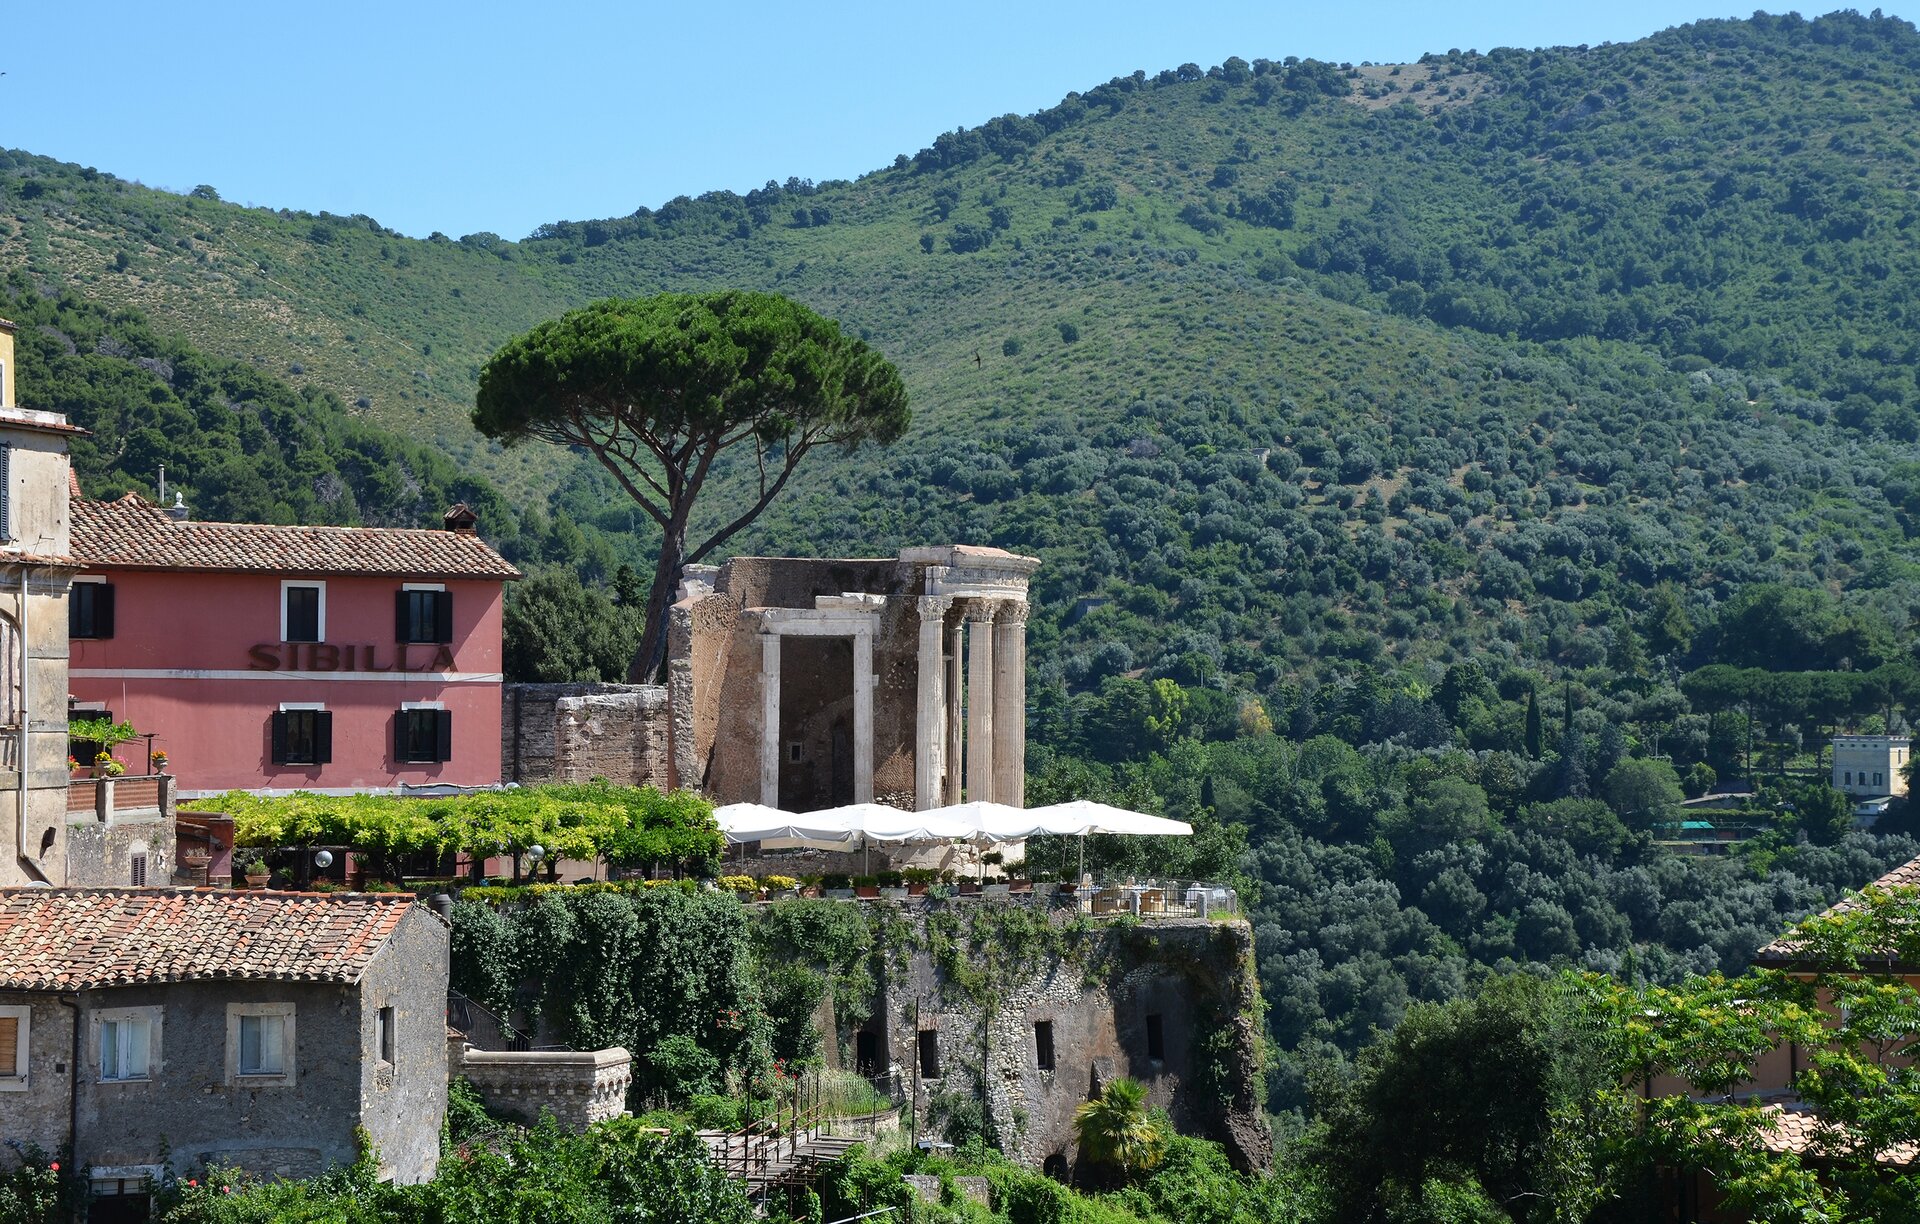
(327, 656)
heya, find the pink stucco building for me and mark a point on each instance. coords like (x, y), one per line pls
(291, 658)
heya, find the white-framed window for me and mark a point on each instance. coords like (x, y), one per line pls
(303, 610)
(423, 612)
(302, 734)
(260, 1044)
(126, 1043)
(423, 733)
(16, 1026)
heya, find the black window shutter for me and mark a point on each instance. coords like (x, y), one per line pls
(443, 616)
(323, 737)
(400, 718)
(402, 623)
(102, 609)
(280, 737)
(443, 735)
(76, 610)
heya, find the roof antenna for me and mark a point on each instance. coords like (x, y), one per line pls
(163, 484)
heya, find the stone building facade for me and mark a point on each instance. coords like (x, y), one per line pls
(1173, 1004)
(35, 573)
(210, 1027)
(1871, 766)
(805, 684)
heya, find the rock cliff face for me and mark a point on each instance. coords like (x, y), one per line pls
(1030, 1014)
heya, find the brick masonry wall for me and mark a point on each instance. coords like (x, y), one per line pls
(576, 732)
(578, 1088)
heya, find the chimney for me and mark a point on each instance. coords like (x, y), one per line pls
(178, 510)
(460, 519)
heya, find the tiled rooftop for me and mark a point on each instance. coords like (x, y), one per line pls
(79, 938)
(133, 533)
(1785, 948)
(1796, 1130)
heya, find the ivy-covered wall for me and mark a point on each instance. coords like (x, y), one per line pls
(717, 998)
(1008, 989)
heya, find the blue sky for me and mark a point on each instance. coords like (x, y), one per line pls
(486, 116)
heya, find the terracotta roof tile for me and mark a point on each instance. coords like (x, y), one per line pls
(75, 939)
(1786, 948)
(1795, 1129)
(133, 533)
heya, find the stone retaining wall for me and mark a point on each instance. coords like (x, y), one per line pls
(578, 1087)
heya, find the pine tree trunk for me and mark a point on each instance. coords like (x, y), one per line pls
(648, 659)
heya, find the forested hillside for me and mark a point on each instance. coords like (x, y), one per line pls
(1437, 467)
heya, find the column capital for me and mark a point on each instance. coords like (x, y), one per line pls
(1011, 612)
(981, 610)
(933, 606)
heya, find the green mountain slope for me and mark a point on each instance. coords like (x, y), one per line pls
(1308, 364)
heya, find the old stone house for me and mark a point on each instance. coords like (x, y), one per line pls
(192, 1028)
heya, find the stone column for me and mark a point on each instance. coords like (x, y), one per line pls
(956, 721)
(1010, 704)
(770, 719)
(930, 726)
(863, 717)
(980, 700)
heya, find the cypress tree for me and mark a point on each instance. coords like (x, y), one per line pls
(1533, 733)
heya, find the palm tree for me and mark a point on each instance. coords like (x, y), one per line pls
(1115, 1129)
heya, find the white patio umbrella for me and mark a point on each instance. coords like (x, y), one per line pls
(877, 822)
(778, 830)
(1086, 816)
(1089, 817)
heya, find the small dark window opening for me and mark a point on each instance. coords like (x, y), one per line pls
(384, 1033)
(303, 614)
(302, 737)
(137, 871)
(424, 616)
(1156, 1039)
(866, 1054)
(793, 751)
(1043, 1044)
(90, 610)
(929, 1054)
(423, 735)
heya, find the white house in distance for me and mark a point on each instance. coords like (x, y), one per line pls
(1871, 766)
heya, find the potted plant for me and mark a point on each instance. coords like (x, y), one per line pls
(73, 764)
(780, 887)
(250, 866)
(836, 886)
(160, 760)
(810, 885)
(866, 886)
(918, 879)
(996, 887)
(743, 886)
(893, 885)
(104, 766)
